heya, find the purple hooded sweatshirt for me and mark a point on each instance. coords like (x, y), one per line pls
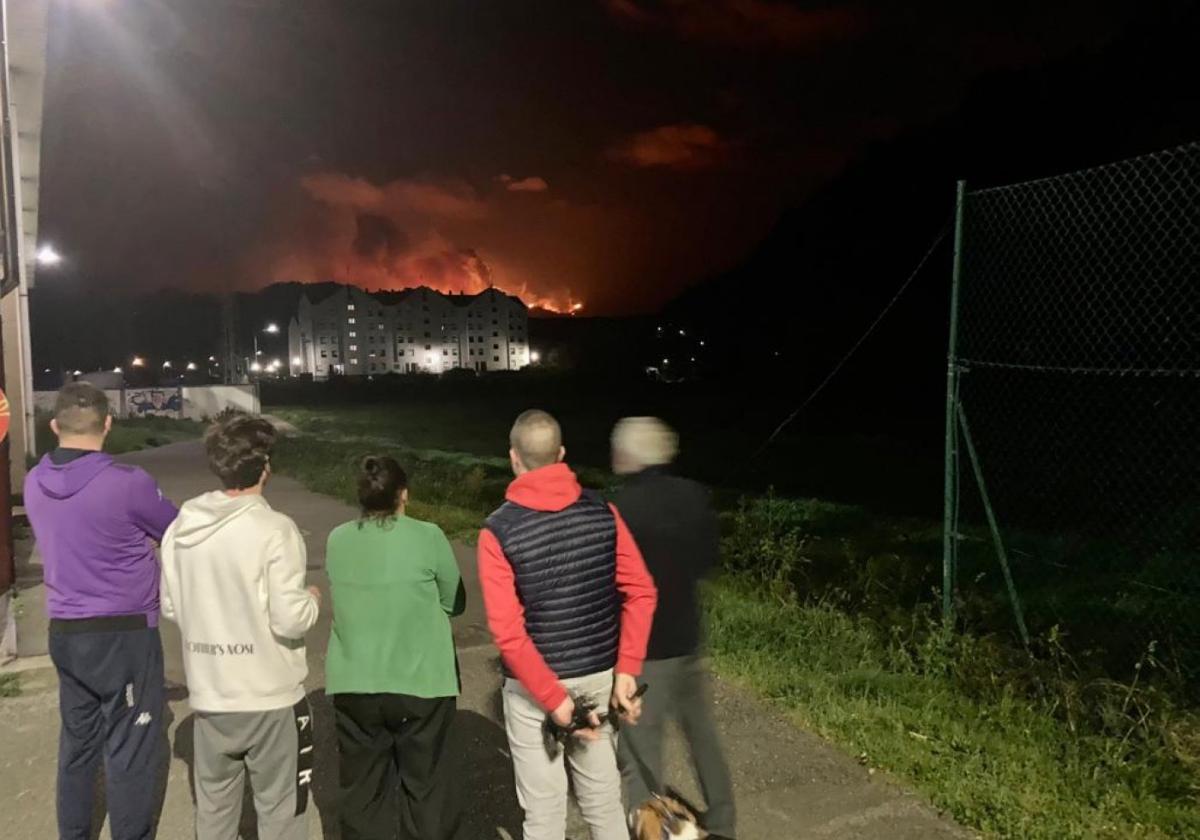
(94, 521)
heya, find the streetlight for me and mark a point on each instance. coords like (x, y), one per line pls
(138, 361)
(535, 356)
(296, 360)
(191, 365)
(166, 365)
(47, 256)
(255, 367)
(271, 328)
(117, 369)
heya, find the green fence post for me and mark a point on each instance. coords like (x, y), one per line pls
(950, 506)
(994, 526)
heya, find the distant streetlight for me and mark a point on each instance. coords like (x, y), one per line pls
(166, 365)
(666, 361)
(271, 328)
(212, 358)
(255, 367)
(117, 369)
(78, 373)
(296, 360)
(191, 365)
(138, 361)
(47, 256)
(535, 356)
(681, 332)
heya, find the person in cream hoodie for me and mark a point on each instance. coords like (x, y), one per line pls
(233, 580)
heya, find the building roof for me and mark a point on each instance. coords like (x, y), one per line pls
(317, 293)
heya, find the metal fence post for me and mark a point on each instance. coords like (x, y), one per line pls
(950, 500)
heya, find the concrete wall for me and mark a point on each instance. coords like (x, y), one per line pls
(198, 403)
(211, 400)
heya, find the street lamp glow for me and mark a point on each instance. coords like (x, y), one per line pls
(46, 255)
(191, 365)
(166, 365)
(255, 367)
(78, 373)
(138, 361)
(296, 360)
(271, 328)
(535, 356)
(117, 369)
(212, 358)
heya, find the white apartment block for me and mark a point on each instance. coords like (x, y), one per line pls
(355, 333)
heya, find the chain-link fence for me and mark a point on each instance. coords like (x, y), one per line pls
(1074, 406)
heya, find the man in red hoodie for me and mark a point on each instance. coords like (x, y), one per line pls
(570, 604)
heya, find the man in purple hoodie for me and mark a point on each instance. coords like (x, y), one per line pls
(96, 522)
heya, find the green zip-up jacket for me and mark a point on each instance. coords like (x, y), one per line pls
(395, 585)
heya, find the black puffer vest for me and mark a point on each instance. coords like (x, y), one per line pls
(565, 563)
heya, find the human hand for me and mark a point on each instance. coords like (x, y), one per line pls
(316, 593)
(564, 716)
(626, 698)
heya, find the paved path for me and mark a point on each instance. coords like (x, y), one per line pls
(790, 784)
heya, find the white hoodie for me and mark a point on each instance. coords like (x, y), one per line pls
(233, 580)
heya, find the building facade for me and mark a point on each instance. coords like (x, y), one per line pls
(355, 333)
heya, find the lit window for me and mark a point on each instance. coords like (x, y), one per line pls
(350, 307)
(353, 334)
(354, 361)
(353, 347)
(351, 321)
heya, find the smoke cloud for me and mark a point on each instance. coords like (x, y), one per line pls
(683, 146)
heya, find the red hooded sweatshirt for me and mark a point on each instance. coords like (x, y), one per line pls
(554, 488)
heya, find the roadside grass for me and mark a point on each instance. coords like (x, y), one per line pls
(828, 612)
(10, 685)
(130, 434)
(995, 760)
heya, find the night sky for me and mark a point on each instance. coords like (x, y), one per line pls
(603, 152)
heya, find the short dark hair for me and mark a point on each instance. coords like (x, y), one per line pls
(537, 438)
(239, 449)
(381, 480)
(80, 409)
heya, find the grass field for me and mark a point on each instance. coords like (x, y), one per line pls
(826, 611)
(131, 434)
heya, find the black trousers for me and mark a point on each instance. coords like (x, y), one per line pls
(395, 773)
(110, 678)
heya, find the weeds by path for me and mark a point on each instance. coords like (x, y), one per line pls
(10, 685)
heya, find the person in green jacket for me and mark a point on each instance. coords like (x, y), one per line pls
(391, 668)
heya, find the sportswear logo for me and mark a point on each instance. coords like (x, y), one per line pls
(143, 719)
(304, 777)
(129, 695)
(302, 722)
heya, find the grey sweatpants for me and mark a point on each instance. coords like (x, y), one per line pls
(679, 690)
(276, 747)
(542, 782)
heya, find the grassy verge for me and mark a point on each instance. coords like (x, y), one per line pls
(996, 760)
(131, 434)
(10, 685)
(827, 613)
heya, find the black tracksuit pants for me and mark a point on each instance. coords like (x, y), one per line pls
(395, 774)
(110, 678)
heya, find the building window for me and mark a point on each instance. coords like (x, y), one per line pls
(495, 358)
(324, 340)
(324, 355)
(445, 352)
(428, 347)
(351, 321)
(354, 361)
(495, 334)
(495, 346)
(333, 353)
(353, 334)
(350, 307)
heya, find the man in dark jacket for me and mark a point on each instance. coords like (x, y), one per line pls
(673, 523)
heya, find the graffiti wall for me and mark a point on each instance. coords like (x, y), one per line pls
(154, 402)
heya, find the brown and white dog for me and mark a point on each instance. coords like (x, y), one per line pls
(666, 817)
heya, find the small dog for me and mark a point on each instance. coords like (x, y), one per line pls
(666, 817)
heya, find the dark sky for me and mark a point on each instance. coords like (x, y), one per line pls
(602, 152)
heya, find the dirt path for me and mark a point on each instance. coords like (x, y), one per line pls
(790, 784)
